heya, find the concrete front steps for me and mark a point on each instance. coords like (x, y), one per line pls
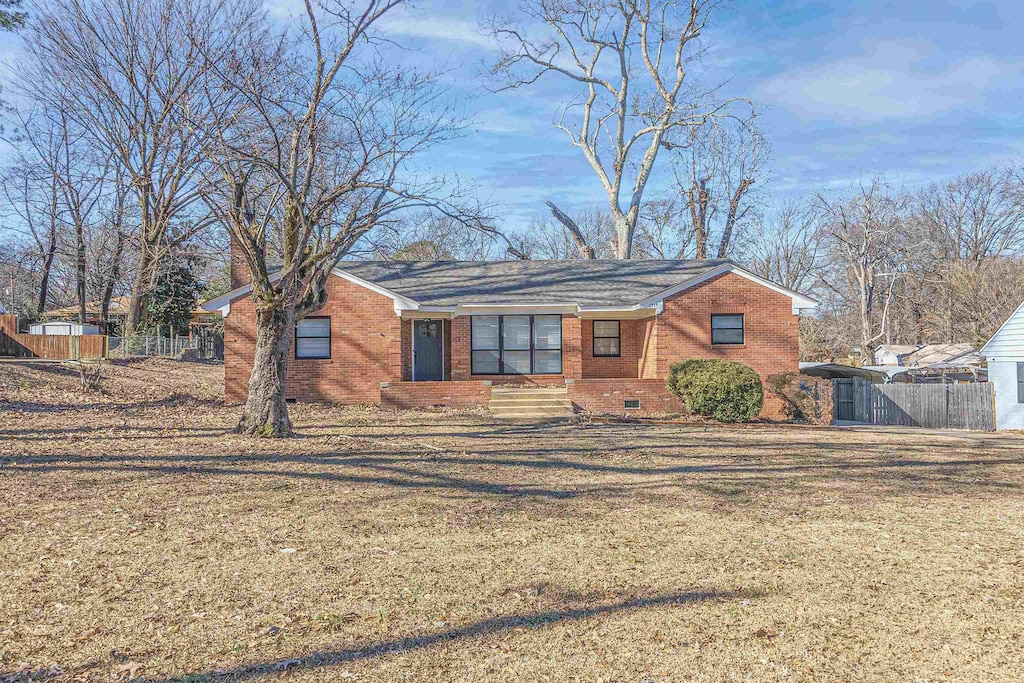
(530, 403)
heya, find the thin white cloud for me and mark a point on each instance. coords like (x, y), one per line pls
(436, 27)
(889, 80)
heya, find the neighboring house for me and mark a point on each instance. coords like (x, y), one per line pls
(1005, 355)
(118, 311)
(893, 354)
(62, 327)
(441, 333)
(930, 354)
(202, 321)
(930, 363)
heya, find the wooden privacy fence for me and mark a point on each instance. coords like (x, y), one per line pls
(48, 346)
(955, 406)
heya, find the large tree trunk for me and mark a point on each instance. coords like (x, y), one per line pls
(624, 236)
(586, 250)
(80, 267)
(44, 280)
(141, 287)
(113, 275)
(266, 413)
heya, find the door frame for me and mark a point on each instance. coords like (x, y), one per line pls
(418, 320)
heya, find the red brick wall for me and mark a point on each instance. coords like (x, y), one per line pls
(648, 363)
(459, 348)
(429, 394)
(608, 396)
(406, 350)
(572, 347)
(366, 349)
(239, 268)
(631, 345)
(770, 329)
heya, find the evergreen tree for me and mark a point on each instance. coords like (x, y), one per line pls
(173, 300)
(11, 20)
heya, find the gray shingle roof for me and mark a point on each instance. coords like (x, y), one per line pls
(582, 282)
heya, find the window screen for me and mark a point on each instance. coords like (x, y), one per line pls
(313, 338)
(727, 329)
(607, 341)
(486, 332)
(1020, 382)
(547, 344)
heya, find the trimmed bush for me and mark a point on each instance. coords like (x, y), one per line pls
(803, 397)
(724, 390)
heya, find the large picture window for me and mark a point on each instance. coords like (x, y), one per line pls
(607, 339)
(516, 344)
(727, 328)
(313, 338)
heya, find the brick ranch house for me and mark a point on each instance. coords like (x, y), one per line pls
(429, 333)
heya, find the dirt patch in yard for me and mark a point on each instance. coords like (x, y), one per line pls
(143, 540)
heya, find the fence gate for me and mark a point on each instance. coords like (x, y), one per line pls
(842, 399)
(956, 406)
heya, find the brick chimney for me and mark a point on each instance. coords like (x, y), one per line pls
(240, 273)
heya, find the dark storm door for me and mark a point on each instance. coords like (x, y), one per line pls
(427, 355)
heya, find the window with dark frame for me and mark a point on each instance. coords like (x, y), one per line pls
(607, 339)
(726, 328)
(515, 344)
(1020, 382)
(313, 338)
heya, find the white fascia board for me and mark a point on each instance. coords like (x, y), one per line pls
(525, 309)
(1018, 311)
(428, 312)
(617, 312)
(799, 300)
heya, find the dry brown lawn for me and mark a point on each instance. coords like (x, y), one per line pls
(142, 540)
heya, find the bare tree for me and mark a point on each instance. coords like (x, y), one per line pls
(313, 152)
(661, 233)
(75, 178)
(547, 239)
(975, 216)
(32, 195)
(428, 237)
(786, 247)
(130, 74)
(867, 240)
(115, 231)
(630, 63)
(717, 170)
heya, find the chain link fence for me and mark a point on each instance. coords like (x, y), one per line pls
(207, 347)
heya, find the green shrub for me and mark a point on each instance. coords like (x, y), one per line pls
(724, 390)
(803, 397)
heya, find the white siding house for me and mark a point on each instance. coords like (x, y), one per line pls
(892, 354)
(61, 327)
(1005, 355)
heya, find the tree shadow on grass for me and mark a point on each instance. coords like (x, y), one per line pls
(113, 406)
(319, 660)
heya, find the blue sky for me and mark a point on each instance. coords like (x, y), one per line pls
(918, 90)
